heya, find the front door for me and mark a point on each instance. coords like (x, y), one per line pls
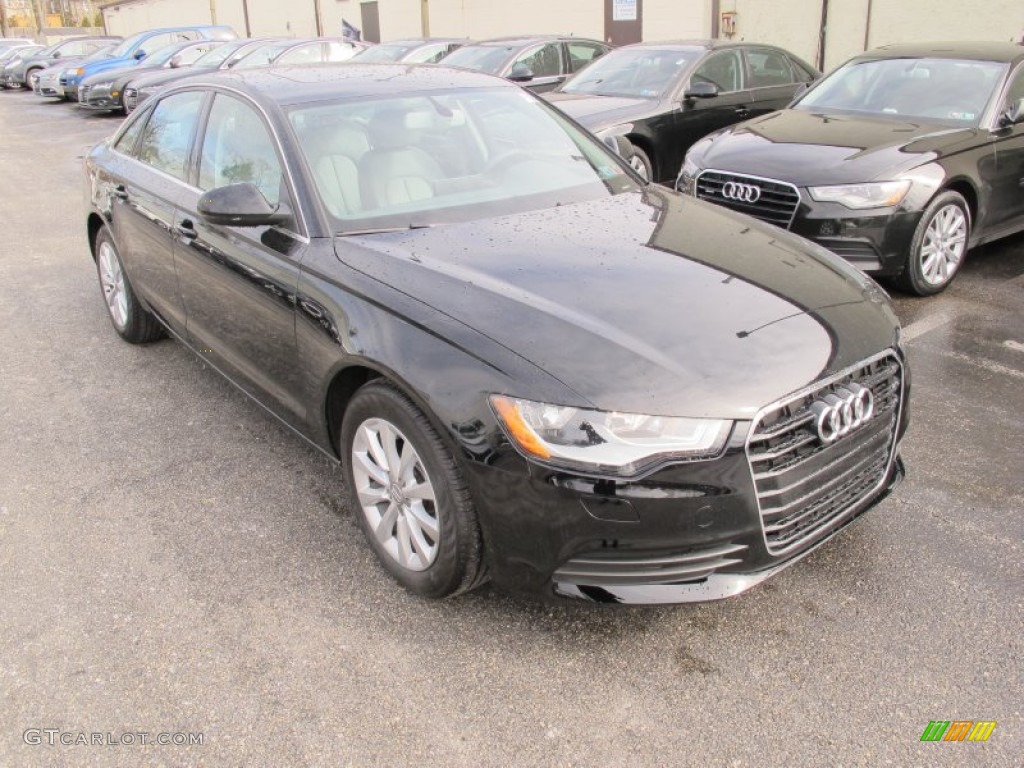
(238, 283)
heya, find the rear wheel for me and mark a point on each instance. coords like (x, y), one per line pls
(939, 245)
(409, 495)
(129, 318)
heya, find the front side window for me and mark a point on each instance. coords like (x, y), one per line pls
(237, 148)
(126, 141)
(948, 90)
(545, 61)
(449, 156)
(168, 134)
(1016, 90)
(304, 54)
(724, 69)
(262, 56)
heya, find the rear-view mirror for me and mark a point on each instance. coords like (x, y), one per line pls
(240, 205)
(1013, 115)
(520, 73)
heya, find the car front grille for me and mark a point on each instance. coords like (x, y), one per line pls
(776, 201)
(131, 98)
(805, 486)
(614, 567)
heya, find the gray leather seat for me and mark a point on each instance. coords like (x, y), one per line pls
(397, 171)
(336, 153)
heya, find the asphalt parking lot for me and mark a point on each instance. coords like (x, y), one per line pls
(174, 561)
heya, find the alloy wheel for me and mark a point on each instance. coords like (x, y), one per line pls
(944, 243)
(112, 281)
(396, 494)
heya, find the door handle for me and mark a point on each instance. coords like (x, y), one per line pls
(120, 192)
(742, 111)
(186, 230)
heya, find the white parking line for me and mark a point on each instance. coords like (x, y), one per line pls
(1015, 345)
(926, 324)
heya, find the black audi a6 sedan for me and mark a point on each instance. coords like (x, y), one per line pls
(530, 366)
(900, 160)
(537, 63)
(663, 97)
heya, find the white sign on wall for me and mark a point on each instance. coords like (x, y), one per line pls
(623, 10)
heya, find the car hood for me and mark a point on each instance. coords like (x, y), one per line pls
(808, 148)
(114, 73)
(644, 302)
(596, 112)
(94, 67)
(164, 76)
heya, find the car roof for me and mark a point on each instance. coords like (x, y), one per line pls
(528, 40)
(986, 51)
(310, 83)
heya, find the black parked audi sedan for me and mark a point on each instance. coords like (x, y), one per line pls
(663, 97)
(531, 367)
(900, 160)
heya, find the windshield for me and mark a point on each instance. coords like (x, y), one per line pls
(449, 156)
(219, 55)
(263, 55)
(125, 46)
(632, 72)
(482, 58)
(949, 90)
(387, 52)
(160, 56)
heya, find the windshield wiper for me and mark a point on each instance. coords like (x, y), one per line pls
(382, 230)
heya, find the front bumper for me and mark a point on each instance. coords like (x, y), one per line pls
(98, 98)
(702, 530)
(49, 86)
(875, 241)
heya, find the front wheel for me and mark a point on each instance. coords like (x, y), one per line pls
(640, 162)
(409, 495)
(939, 245)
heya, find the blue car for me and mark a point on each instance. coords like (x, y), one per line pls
(136, 47)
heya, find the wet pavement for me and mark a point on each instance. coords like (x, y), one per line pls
(173, 561)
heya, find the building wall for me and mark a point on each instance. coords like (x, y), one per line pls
(793, 24)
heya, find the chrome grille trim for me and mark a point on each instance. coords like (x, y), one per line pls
(805, 489)
(777, 205)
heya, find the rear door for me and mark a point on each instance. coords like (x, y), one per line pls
(147, 194)
(770, 79)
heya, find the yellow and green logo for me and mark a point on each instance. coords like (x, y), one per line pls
(958, 730)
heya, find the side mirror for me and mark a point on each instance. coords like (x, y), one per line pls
(1013, 115)
(140, 54)
(175, 61)
(702, 90)
(56, 55)
(240, 205)
(520, 73)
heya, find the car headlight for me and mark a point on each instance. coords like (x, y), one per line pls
(79, 72)
(875, 195)
(686, 182)
(606, 442)
(102, 84)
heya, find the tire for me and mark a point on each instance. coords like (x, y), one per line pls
(440, 516)
(134, 324)
(939, 245)
(641, 163)
(27, 85)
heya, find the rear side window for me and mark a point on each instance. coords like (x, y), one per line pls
(168, 133)
(581, 54)
(768, 68)
(126, 142)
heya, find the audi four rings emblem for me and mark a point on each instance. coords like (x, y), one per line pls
(744, 193)
(841, 412)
